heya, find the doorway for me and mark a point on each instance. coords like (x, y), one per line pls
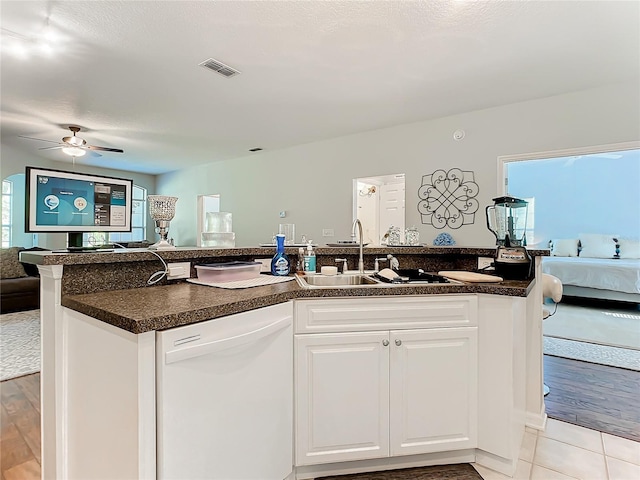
(379, 204)
(590, 190)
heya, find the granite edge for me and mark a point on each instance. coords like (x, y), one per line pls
(143, 254)
(267, 297)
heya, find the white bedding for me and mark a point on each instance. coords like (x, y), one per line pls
(619, 275)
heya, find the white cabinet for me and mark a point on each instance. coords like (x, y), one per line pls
(433, 390)
(370, 394)
(342, 405)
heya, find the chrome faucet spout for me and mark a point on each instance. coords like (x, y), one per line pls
(353, 234)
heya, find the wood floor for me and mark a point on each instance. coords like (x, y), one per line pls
(593, 396)
(20, 428)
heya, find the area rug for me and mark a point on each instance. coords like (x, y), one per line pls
(462, 471)
(614, 327)
(19, 344)
(593, 353)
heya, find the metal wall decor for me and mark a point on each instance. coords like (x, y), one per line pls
(448, 198)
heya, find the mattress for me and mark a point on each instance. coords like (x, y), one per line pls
(620, 275)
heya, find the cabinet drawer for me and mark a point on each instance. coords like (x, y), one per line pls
(394, 313)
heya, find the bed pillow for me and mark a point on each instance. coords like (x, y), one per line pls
(596, 245)
(629, 248)
(564, 247)
(11, 266)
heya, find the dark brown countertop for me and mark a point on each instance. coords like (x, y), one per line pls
(194, 253)
(140, 310)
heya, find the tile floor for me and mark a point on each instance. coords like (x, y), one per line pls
(565, 452)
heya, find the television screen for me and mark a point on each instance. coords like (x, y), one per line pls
(59, 201)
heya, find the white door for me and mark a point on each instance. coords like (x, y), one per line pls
(433, 390)
(391, 207)
(342, 403)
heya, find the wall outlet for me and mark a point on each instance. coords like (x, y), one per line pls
(178, 270)
(327, 232)
(485, 263)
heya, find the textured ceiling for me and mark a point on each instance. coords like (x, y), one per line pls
(127, 71)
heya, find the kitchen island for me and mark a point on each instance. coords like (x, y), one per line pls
(100, 327)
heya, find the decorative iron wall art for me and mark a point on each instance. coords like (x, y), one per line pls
(448, 198)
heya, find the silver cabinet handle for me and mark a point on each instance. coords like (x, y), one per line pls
(385, 342)
(398, 342)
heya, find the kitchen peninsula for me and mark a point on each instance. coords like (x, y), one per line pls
(101, 324)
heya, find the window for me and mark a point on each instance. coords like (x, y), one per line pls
(7, 212)
(138, 224)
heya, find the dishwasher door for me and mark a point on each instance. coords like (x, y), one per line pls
(225, 397)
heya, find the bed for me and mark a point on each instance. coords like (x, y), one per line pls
(605, 278)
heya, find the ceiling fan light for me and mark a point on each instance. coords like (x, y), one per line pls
(74, 151)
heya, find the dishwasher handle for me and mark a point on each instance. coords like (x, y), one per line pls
(215, 346)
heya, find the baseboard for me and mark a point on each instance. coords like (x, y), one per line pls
(498, 464)
(387, 463)
(537, 421)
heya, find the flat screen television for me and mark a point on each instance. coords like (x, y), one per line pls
(75, 203)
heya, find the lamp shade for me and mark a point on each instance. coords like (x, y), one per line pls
(162, 207)
(74, 151)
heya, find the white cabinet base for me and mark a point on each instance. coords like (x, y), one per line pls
(389, 463)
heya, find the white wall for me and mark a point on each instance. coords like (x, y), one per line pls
(14, 161)
(313, 182)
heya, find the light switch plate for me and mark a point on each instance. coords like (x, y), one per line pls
(327, 232)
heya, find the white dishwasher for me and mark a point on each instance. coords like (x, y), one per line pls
(225, 397)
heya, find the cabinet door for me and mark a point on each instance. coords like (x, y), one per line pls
(433, 390)
(342, 397)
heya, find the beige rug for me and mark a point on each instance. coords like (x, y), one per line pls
(19, 344)
(602, 326)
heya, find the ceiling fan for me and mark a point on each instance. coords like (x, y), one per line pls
(74, 145)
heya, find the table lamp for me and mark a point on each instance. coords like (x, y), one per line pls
(162, 210)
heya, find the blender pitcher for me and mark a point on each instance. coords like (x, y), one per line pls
(507, 220)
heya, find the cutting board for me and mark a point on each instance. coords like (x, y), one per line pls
(469, 276)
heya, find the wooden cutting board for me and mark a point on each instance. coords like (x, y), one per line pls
(463, 276)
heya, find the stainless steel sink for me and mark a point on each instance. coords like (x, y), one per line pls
(337, 281)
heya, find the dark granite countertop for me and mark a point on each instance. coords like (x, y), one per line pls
(140, 310)
(194, 253)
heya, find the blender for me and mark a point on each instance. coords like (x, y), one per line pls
(507, 220)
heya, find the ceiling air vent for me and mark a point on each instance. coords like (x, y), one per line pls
(219, 67)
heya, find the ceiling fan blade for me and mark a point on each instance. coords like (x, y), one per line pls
(39, 139)
(104, 149)
(52, 148)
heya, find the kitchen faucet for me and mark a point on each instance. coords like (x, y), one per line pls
(376, 267)
(394, 264)
(353, 235)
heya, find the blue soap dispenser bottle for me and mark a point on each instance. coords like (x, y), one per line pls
(280, 264)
